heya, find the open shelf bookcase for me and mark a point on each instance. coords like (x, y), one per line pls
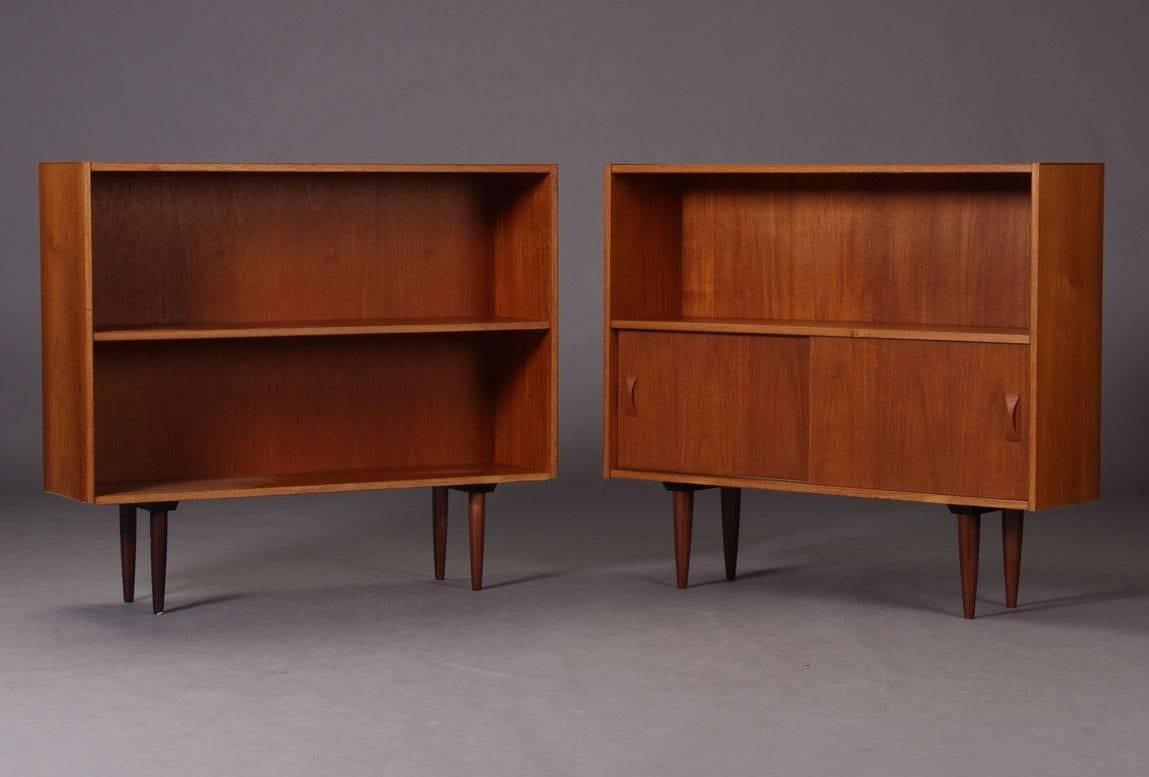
(918, 332)
(243, 330)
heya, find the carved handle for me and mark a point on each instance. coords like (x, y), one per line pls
(631, 385)
(1012, 401)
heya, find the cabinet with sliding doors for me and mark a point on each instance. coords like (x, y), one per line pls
(927, 333)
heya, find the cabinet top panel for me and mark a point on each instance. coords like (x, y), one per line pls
(192, 167)
(1026, 167)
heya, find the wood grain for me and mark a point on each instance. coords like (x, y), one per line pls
(829, 329)
(294, 407)
(321, 482)
(185, 248)
(645, 248)
(714, 404)
(914, 416)
(887, 249)
(799, 487)
(272, 167)
(526, 284)
(66, 329)
(879, 169)
(1065, 451)
(225, 331)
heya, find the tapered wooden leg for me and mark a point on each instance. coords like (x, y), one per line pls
(159, 525)
(439, 529)
(683, 533)
(969, 544)
(128, 550)
(1011, 524)
(477, 516)
(159, 558)
(731, 518)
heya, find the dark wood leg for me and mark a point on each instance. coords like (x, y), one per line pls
(1011, 524)
(969, 545)
(128, 550)
(477, 517)
(476, 524)
(439, 529)
(731, 518)
(159, 525)
(159, 558)
(683, 529)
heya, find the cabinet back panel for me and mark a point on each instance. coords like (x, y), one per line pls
(171, 248)
(212, 409)
(947, 250)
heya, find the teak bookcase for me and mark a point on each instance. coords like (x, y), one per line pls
(928, 333)
(245, 330)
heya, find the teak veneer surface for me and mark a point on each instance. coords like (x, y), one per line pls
(201, 410)
(727, 404)
(66, 329)
(905, 249)
(222, 330)
(1065, 360)
(915, 416)
(830, 329)
(933, 299)
(320, 482)
(183, 248)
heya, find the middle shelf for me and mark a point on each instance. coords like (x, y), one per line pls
(966, 334)
(338, 327)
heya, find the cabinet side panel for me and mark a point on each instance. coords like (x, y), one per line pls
(642, 272)
(1066, 334)
(524, 283)
(66, 329)
(522, 379)
(645, 247)
(526, 286)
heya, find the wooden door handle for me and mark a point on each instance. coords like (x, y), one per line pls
(631, 394)
(1012, 402)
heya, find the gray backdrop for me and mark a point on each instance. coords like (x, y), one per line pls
(579, 84)
(305, 635)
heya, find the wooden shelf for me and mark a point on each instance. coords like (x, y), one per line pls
(312, 483)
(263, 167)
(979, 169)
(222, 331)
(963, 334)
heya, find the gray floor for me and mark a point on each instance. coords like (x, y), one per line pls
(307, 636)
